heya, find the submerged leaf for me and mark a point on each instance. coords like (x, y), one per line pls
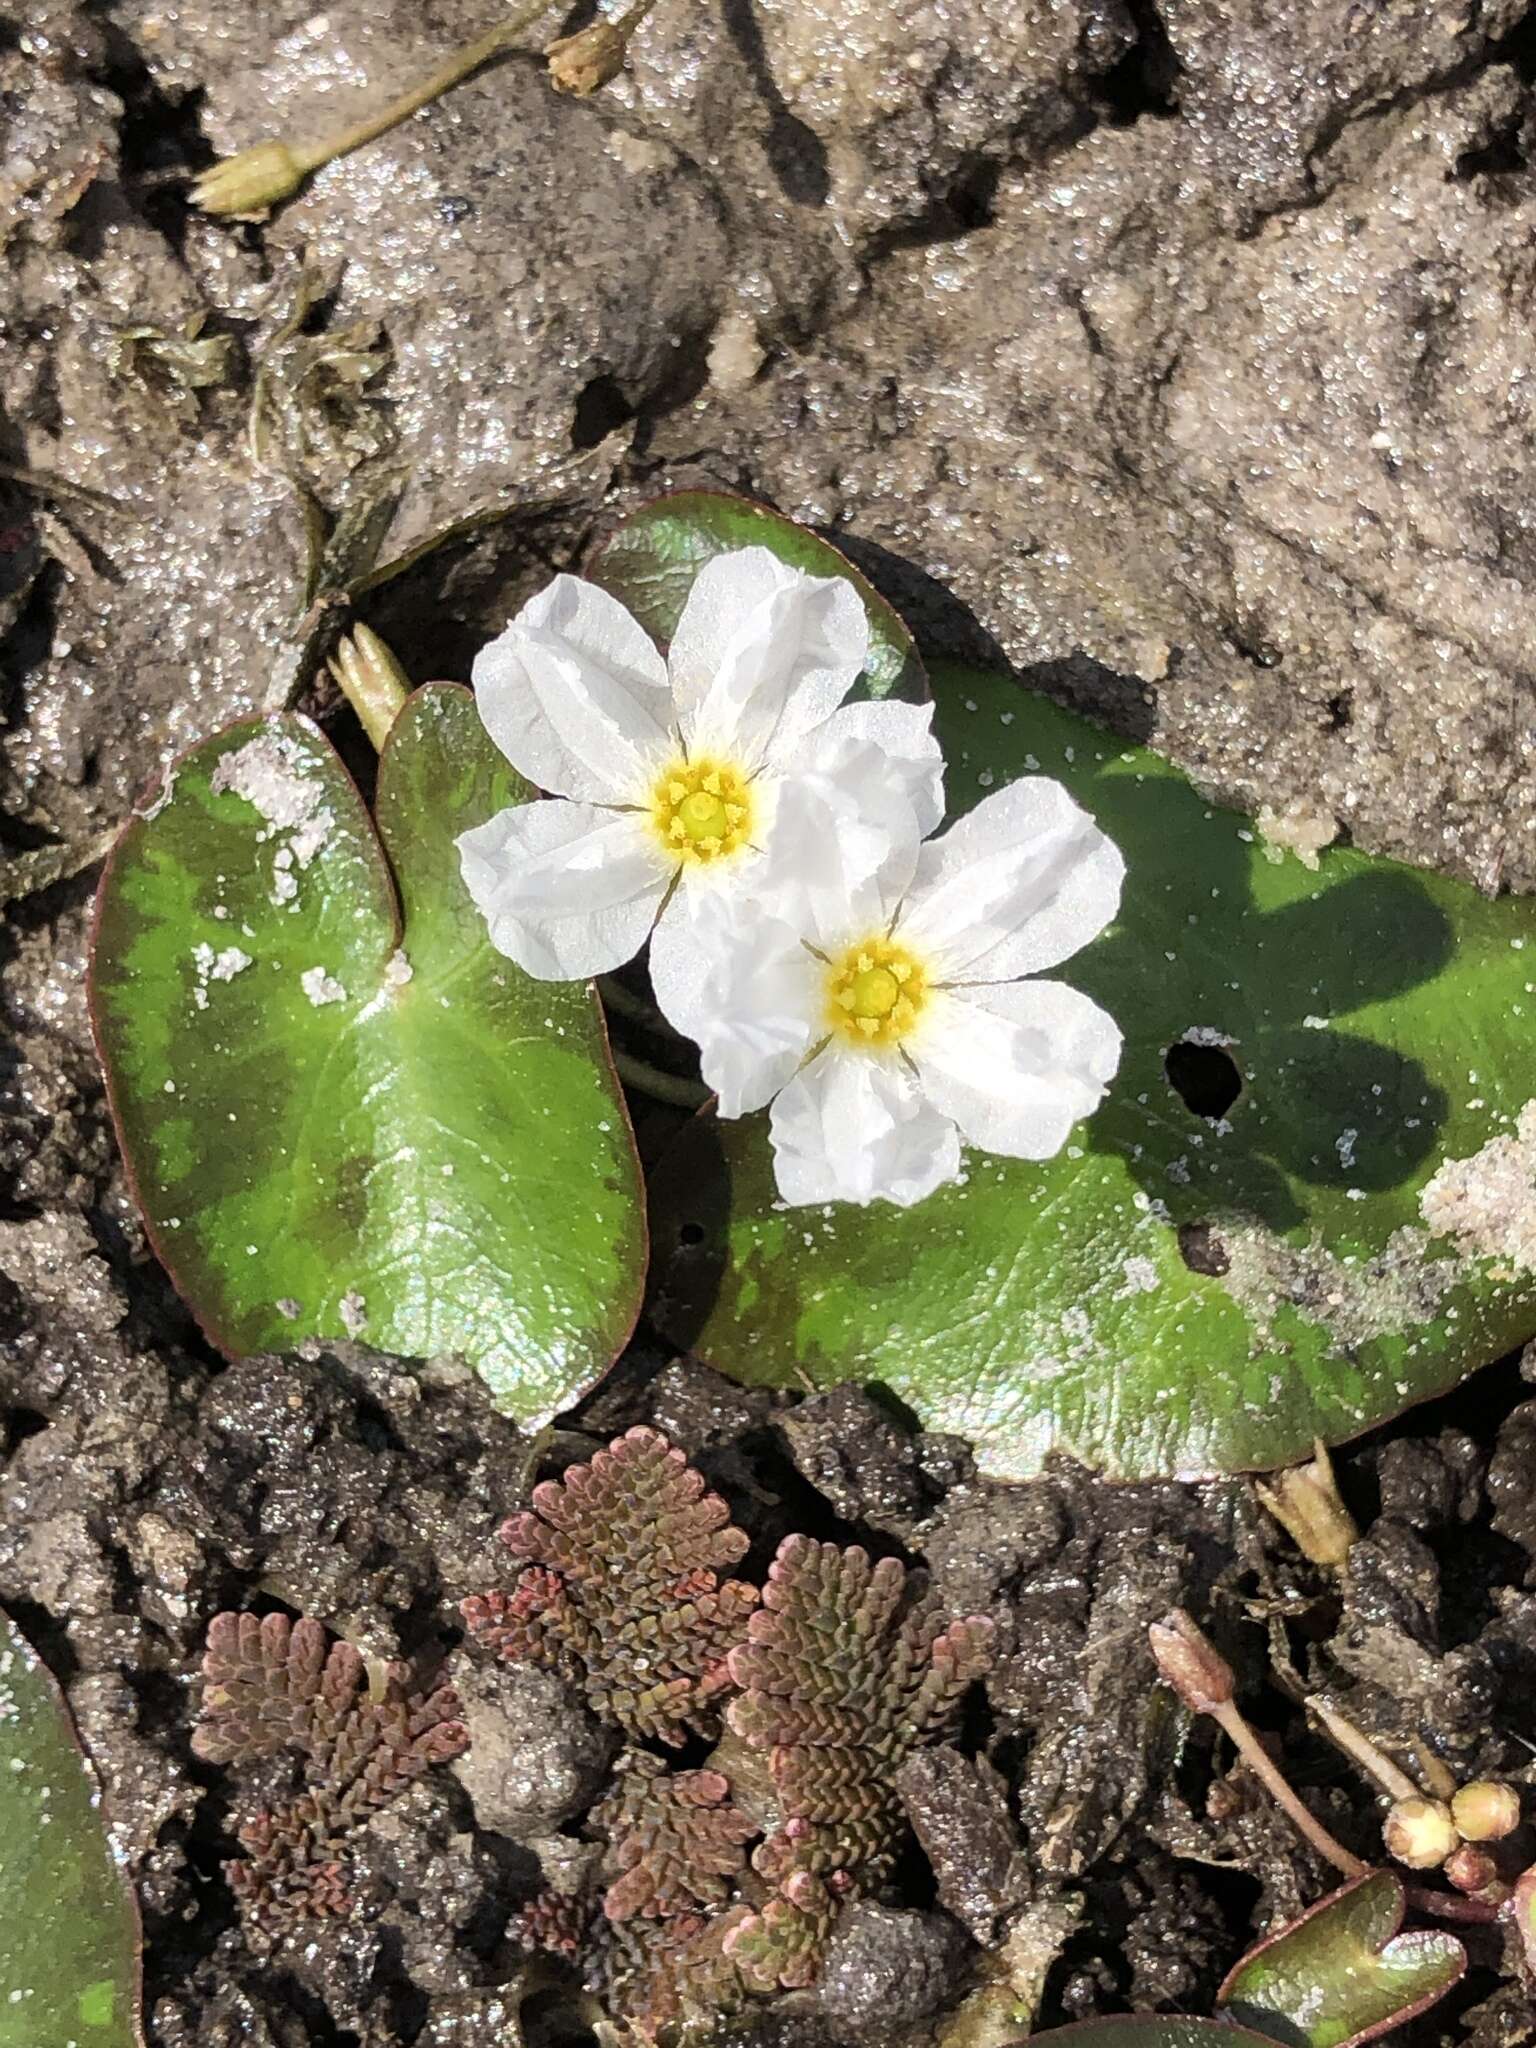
(1308, 1200)
(1343, 1973)
(69, 1929)
(337, 1127)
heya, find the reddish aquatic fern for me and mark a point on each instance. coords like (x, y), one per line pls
(270, 1684)
(841, 1679)
(622, 1592)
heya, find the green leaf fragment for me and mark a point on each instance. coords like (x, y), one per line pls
(341, 1125)
(1342, 1973)
(650, 562)
(69, 1929)
(1308, 1201)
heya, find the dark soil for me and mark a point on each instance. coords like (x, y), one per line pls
(145, 1486)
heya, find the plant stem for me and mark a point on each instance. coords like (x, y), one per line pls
(634, 1009)
(1229, 1719)
(448, 74)
(1360, 1749)
(661, 1087)
(1451, 1906)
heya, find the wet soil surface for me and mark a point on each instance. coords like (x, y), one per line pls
(1174, 354)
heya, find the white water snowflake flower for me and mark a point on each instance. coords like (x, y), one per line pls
(886, 1017)
(665, 776)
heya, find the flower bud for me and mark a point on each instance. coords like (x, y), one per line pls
(1191, 1663)
(587, 60)
(250, 182)
(1471, 1870)
(372, 681)
(1419, 1832)
(1485, 1811)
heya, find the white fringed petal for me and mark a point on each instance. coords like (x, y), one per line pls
(567, 890)
(1015, 1064)
(852, 1127)
(762, 654)
(576, 697)
(749, 1007)
(1019, 884)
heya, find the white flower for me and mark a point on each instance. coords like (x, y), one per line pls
(884, 1015)
(667, 774)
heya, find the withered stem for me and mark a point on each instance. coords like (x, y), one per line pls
(449, 73)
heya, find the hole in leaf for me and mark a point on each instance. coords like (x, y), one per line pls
(1205, 1077)
(1202, 1250)
(691, 1233)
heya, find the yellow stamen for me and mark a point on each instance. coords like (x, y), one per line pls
(702, 810)
(875, 992)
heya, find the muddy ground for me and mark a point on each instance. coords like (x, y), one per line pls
(1175, 352)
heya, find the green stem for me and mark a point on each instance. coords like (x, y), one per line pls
(448, 74)
(661, 1087)
(634, 1009)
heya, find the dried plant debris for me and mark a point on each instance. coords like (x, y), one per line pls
(270, 1684)
(842, 1678)
(622, 1594)
(171, 367)
(313, 412)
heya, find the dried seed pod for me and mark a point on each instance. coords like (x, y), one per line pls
(586, 61)
(1485, 1811)
(1419, 1832)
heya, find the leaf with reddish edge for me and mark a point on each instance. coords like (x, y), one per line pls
(1344, 1973)
(343, 1113)
(649, 564)
(1150, 2030)
(69, 1925)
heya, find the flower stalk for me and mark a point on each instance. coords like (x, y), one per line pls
(1202, 1678)
(268, 173)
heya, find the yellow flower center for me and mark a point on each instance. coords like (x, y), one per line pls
(875, 992)
(702, 810)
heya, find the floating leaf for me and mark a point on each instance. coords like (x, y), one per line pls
(69, 1928)
(650, 562)
(336, 1128)
(1343, 1973)
(1234, 1256)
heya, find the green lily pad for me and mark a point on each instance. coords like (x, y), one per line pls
(649, 564)
(69, 1927)
(1262, 1236)
(1343, 1973)
(338, 1126)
